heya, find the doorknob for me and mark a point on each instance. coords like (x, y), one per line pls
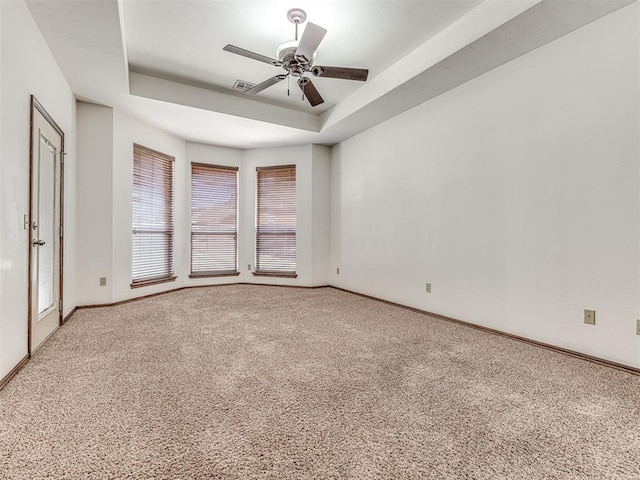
(38, 243)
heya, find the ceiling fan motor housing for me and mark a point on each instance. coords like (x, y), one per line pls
(287, 55)
(287, 47)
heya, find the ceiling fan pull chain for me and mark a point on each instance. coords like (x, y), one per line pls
(288, 85)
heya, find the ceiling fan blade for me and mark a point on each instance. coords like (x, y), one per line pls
(311, 38)
(250, 54)
(266, 84)
(310, 91)
(359, 74)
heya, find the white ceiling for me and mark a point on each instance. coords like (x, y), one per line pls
(161, 61)
(183, 39)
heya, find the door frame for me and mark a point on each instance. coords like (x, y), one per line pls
(36, 106)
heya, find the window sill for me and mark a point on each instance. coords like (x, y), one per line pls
(276, 274)
(214, 274)
(156, 281)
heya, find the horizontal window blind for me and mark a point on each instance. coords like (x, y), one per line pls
(152, 252)
(214, 220)
(276, 220)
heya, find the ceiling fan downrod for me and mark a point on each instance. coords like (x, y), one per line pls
(296, 16)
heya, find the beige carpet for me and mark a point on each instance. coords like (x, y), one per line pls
(249, 382)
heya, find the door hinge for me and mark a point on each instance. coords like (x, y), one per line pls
(62, 154)
(61, 231)
(59, 305)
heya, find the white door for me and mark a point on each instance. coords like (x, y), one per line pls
(45, 230)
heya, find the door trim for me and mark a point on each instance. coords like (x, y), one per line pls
(36, 106)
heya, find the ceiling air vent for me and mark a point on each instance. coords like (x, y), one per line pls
(243, 86)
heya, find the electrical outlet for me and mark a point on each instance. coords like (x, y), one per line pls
(428, 287)
(103, 281)
(249, 267)
(590, 317)
(338, 271)
(637, 327)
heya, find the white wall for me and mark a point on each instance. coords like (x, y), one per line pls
(128, 131)
(310, 244)
(313, 208)
(212, 155)
(516, 195)
(321, 214)
(105, 199)
(27, 67)
(300, 156)
(95, 186)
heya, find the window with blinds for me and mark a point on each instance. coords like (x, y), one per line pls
(152, 252)
(214, 220)
(276, 221)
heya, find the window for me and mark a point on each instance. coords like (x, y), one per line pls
(214, 220)
(152, 252)
(276, 221)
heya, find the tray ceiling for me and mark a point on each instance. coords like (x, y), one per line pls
(161, 61)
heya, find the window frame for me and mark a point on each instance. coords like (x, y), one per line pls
(138, 151)
(274, 273)
(214, 273)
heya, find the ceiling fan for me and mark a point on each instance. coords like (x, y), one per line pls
(296, 58)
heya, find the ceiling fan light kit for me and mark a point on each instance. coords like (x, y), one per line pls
(297, 57)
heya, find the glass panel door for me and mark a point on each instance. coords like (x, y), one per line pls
(45, 226)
